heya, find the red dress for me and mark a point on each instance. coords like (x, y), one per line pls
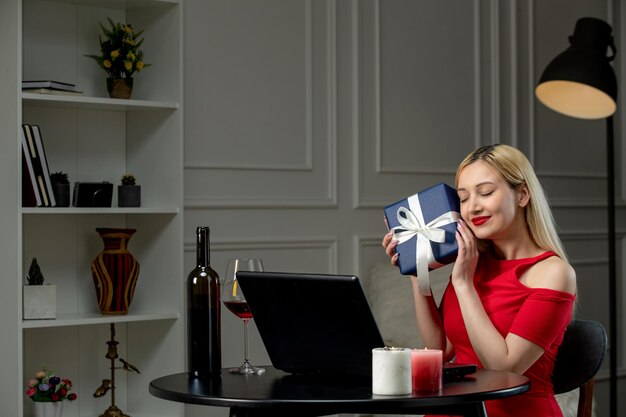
(539, 315)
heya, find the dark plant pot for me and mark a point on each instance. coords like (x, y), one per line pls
(61, 194)
(120, 87)
(129, 195)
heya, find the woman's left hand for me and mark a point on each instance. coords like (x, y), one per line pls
(467, 258)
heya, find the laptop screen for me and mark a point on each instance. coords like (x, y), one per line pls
(313, 323)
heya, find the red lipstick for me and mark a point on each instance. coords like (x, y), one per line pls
(477, 221)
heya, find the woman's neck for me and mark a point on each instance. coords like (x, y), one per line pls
(516, 243)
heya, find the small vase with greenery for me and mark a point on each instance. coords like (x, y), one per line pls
(129, 193)
(60, 188)
(120, 57)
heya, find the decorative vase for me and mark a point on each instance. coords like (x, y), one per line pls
(120, 87)
(115, 271)
(48, 409)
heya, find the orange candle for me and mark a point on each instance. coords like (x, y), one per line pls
(427, 369)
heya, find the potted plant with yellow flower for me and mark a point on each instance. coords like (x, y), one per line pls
(120, 57)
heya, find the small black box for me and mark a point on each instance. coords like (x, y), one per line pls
(92, 194)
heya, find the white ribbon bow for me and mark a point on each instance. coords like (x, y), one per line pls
(412, 224)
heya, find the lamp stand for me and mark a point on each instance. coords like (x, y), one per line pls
(610, 172)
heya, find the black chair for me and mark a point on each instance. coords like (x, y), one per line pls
(578, 360)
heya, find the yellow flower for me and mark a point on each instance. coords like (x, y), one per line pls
(40, 374)
(128, 65)
(139, 65)
(131, 56)
(115, 53)
(128, 29)
(106, 63)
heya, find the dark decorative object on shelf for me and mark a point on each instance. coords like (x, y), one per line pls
(34, 277)
(109, 384)
(128, 194)
(61, 188)
(115, 271)
(92, 194)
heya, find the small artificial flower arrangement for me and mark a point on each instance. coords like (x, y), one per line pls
(46, 387)
(120, 53)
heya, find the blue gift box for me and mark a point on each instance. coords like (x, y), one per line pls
(416, 220)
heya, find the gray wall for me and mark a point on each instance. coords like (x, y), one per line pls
(304, 118)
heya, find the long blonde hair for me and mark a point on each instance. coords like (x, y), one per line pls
(515, 168)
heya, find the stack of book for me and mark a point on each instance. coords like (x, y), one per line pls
(36, 184)
(50, 87)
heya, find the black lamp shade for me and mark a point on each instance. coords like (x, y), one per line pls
(580, 82)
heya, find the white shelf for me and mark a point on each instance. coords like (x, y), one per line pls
(93, 138)
(100, 210)
(121, 4)
(104, 103)
(85, 319)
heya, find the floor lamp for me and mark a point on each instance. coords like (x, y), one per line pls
(581, 83)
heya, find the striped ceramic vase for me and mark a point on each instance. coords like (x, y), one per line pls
(115, 271)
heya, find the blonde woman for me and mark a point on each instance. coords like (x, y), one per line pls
(512, 291)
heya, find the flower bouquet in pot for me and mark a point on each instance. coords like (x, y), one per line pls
(120, 57)
(48, 392)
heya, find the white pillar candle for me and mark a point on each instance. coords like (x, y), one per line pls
(391, 371)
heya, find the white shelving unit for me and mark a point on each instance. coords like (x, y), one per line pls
(95, 138)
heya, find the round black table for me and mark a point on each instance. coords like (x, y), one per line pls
(276, 394)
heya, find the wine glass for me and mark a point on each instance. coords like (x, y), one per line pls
(235, 301)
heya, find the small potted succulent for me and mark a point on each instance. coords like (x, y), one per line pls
(60, 188)
(129, 193)
(40, 301)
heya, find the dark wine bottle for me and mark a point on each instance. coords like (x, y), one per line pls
(204, 346)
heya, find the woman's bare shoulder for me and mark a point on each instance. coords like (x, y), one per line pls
(552, 273)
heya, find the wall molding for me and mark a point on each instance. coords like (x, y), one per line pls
(329, 200)
(276, 243)
(308, 136)
(360, 242)
(199, 203)
(273, 242)
(571, 175)
(359, 200)
(379, 167)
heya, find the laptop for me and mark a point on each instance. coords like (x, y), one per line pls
(313, 323)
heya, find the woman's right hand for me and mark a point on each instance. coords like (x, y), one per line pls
(389, 243)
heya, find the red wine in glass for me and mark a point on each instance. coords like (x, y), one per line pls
(234, 300)
(239, 309)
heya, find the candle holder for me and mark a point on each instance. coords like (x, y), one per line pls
(109, 384)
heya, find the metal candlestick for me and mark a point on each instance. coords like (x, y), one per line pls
(109, 384)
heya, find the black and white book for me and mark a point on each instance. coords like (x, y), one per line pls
(37, 166)
(55, 85)
(30, 190)
(41, 151)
